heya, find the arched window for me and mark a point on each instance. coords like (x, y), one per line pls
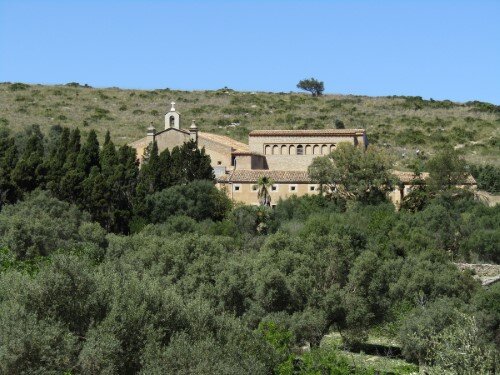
(324, 149)
(308, 149)
(315, 150)
(292, 150)
(300, 150)
(332, 148)
(276, 150)
(284, 150)
(172, 121)
(267, 150)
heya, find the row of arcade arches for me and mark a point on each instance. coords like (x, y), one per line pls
(299, 149)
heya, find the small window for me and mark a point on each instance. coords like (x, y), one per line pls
(312, 187)
(237, 187)
(292, 188)
(274, 188)
(255, 187)
(219, 163)
(300, 150)
(172, 121)
(273, 205)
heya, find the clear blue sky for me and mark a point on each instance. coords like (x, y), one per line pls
(439, 49)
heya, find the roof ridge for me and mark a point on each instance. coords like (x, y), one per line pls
(353, 131)
(252, 175)
(226, 140)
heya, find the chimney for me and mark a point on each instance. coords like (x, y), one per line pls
(151, 132)
(193, 132)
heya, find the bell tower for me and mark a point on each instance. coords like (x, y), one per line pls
(172, 118)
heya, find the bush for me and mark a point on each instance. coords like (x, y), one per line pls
(199, 200)
(487, 177)
(460, 349)
(32, 346)
(423, 324)
(42, 224)
(18, 86)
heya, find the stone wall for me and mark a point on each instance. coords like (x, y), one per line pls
(217, 152)
(297, 153)
(243, 161)
(170, 138)
(246, 192)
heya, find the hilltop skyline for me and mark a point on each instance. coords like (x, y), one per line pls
(439, 50)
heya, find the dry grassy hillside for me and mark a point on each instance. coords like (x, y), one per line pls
(402, 124)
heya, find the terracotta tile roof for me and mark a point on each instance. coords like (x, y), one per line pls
(139, 143)
(245, 153)
(237, 146)
(276, 176)
(309, 133)
(408, 177)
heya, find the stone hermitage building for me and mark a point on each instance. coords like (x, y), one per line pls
(281, 155)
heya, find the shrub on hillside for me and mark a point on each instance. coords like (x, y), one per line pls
(18, 86)
(199, 200)
(487, 177)
(41, 224)
(423, 324)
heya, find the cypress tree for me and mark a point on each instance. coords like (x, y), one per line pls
(107, 138)
(203, 166)
(70, 184)
(196, 164)
(108, 157)
(53, 139)
(178, 166)
(165, 169)
(97, 198)
(127, 170)
(8, 161)
(88, 156)
(74, 146)
(28, 173)
(149, 177)
(148, 181)
(55, 161)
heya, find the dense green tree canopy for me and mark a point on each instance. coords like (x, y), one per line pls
(353, 173)
(105, 268)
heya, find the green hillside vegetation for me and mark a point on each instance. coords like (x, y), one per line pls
(200, 296)
(401, 124)
(106, 268)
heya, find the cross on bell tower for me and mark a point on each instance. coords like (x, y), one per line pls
(172, 118)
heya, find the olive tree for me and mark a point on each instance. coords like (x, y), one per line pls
(352, 173)
(312, 85)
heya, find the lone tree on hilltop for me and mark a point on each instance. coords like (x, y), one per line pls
(312, 85)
